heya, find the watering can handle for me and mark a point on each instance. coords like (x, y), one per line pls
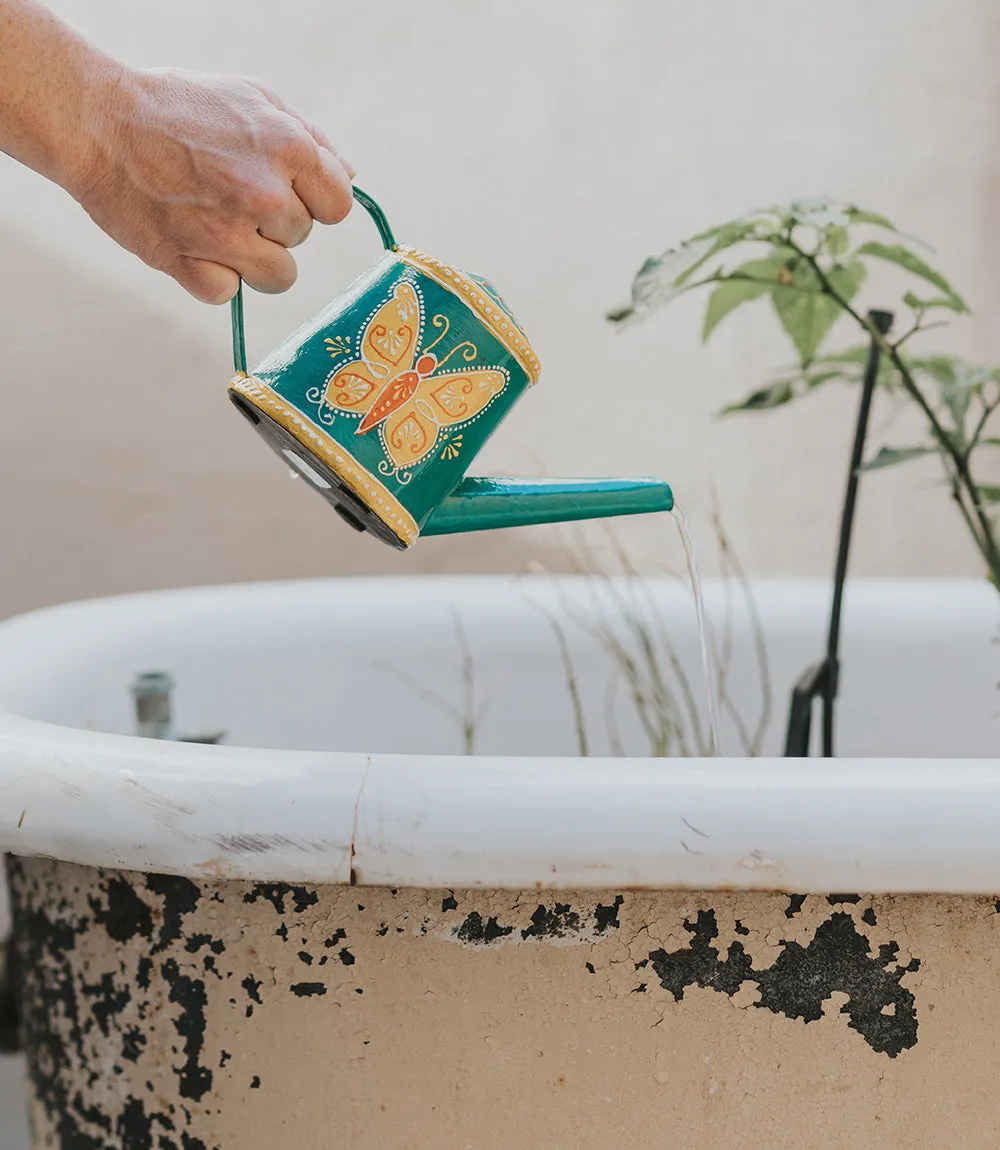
(236, 304)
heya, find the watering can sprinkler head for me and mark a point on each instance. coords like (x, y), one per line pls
(383, 399)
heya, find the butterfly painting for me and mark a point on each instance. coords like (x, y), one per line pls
(399, 390)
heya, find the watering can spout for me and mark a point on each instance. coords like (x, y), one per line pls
(482, 504)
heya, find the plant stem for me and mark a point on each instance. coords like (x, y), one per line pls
(962, 481)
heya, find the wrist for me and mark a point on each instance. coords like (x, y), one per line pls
(91, 129)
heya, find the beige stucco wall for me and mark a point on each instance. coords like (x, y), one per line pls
(552, 146)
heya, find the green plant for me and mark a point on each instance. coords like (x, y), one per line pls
(811, 259)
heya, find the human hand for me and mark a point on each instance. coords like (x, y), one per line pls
(207, 178)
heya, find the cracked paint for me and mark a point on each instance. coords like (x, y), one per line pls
(216, 1009)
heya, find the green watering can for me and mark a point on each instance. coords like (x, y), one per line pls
(383, 399)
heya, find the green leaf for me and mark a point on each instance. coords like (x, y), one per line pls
(890, 456)
(860, 216)
(662, 278)
(837, 240)
(817, 379)
(938, 367)
(958, 383)
(806, 312)
(774, 395)
(729, 233)
(855, 355)
(923, 305)
(968, 381)
(818, 212)
(904, 258)
(756, 278)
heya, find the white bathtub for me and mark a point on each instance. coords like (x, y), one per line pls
(337, 921)
(333, 761)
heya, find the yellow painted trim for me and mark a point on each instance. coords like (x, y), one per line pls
(489, 313)
(370, 490)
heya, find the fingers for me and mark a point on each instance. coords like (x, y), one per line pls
(324, 141)
(314, 130)
(265, 266)
(207, 281)
(262, 264)
(290, 225)
(324, 186)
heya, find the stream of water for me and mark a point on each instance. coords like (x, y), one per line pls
(707, 661)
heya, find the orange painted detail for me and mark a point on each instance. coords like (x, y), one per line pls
(395, 393)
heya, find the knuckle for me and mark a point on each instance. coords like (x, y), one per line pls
(266, 203)
(298, 148)
(219, 233)
(336, 208)
(279, 275)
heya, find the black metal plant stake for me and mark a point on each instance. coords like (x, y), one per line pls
(821, 680)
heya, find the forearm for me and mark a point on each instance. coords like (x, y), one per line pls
(53, 86)
(208, 178)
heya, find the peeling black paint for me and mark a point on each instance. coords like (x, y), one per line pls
(795, 902)
(347, 958)
(869, 917)
(560, 920)
(194, 1079)
(276, 892)
(255, 1083)
(606, 917)
(133, 1040)
(834, 899)
(555, 923)
(477, 930)
(740, 928)
(125, 915)
(143, 973)
(180, 897)
(252, 986)
(134, 1127)
(64, 1010)
(306, 957)
(590, 967)
(196, 941)
(307, 989)
(107, 1000)
(448, 902)
(802, 978)
(338, 936)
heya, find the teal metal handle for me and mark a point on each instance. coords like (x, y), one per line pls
(236, 303)
(482, 504)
